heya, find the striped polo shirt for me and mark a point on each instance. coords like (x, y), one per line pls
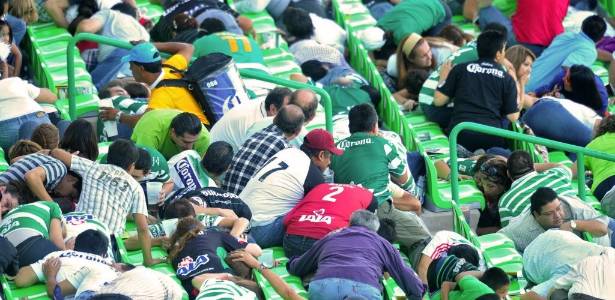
(464, 54)
(29, 220)
(55, 170)
(223, 289)
(517, 199)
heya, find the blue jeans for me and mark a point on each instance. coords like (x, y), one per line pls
(18, 26)
(269, 235)
(10, 129)
(338, 289)
(549, 119)
(108, 69)
(379, 9)
(612, 228)
(296, 245)
(491, 14)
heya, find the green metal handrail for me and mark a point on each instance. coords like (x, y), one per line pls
(72, 91)
(580, 151)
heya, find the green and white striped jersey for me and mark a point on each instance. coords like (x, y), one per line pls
(216, 289)
(29, 220)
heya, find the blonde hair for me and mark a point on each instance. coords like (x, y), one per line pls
(187, 229)
(25, 9)
(517, 54)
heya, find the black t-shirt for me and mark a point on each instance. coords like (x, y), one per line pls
(313, 178)
(219, 198)
(483, 93)
(163, 29)
(199, 255)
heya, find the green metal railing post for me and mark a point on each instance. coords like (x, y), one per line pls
(580, 151)
(72, 104)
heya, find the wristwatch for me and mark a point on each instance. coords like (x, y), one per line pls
(261, 267)
(573, 225)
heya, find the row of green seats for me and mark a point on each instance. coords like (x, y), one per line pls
(417, 133)
(4, 165)
(48, 47)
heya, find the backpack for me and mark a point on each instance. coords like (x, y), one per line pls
(213, 81)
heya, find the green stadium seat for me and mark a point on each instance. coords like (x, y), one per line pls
(294, 281)
(4, 165)
(11, 292)
(495, 240)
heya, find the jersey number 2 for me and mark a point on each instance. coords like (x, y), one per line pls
(282, 166)
(336, 191)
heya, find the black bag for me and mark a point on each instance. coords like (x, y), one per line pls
(203, 75)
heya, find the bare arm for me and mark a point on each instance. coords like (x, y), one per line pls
(596, 228)
(62, 155)
(424, 263)
(91, 25)
(186, 50)
(55, 9)
(55, 234)
(25, 277)
(546, 166)
(18, 59)
(281, 287)
(46, 96)
(407, 202)
(513, 117)
(439, 99)
(35, 179)
(145, 240)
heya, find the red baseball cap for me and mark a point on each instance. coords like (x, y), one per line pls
(320, 139)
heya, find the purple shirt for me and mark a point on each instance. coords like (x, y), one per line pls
(359, 254)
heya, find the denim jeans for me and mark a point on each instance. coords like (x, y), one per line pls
(269, 235)
(18, 26)
(549, 119)
(296, 245)
(438, 114)
(339, 288)
(379, 9)
(10, 129)
(491, 14)
(108, 69)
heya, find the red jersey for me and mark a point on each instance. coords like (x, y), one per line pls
(325, 208)
(539, 21)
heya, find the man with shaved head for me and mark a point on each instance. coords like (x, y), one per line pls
(263, 145)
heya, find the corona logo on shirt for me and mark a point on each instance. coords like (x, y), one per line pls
(188, 265)
(317, 217)
(476, 68)
(186, 172)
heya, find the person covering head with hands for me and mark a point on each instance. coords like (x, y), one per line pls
(107, 188)
(146, 66)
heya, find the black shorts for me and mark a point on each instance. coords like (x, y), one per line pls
(34, 249)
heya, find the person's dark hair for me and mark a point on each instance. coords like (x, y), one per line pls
(495, 278)
(495, 26)
(454, 35)
(374, 94)
(81, 136)
(126, 9)
(186, 123)
(276, 97)
(153, 67)
(415, 78)
(362, 118)
(218, 157)
(183, 22)
(541, 197)
(46, 135)
(309, 151)
(387, 230)
(19, 190)
(298, 23)
(187, 229)
(314, 69)
(466, 252)
(584, 90)
(481, 160)
(78, 185)
(580, 296)
(594, 27)
(122, 153)
(607, 125)
(492, 296)
(519, 163)
(308, 107)
(3, 23)
(489, 43)
(144, 162)
(3, 3)
(289, 119)
(92, 241)
(496, 171)
(136, 90)
(23, 147)
(212, 25)
(110, 296)
(179, 209)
